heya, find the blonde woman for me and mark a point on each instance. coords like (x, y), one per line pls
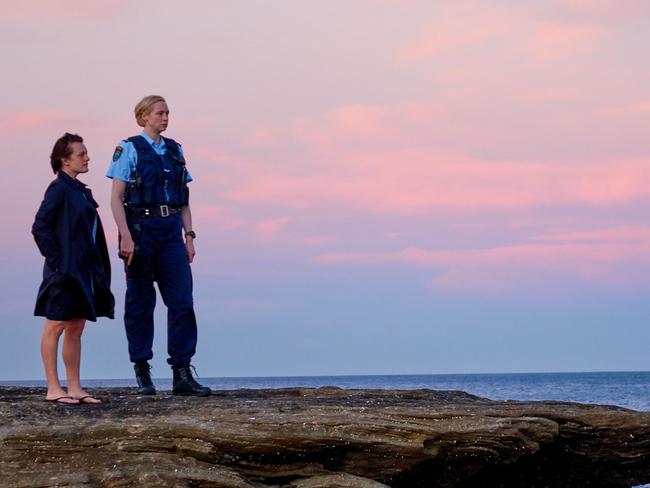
(150, 204)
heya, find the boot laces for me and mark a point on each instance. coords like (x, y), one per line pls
(143, 374)
(195, 373)
(185, 373)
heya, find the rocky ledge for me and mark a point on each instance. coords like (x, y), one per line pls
(318, 438)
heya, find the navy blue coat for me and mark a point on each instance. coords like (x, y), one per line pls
(77, 271)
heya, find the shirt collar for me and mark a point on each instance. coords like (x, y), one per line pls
(151, 141)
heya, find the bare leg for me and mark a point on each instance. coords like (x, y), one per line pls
(49, 349)
(72, 353)
(72, 359)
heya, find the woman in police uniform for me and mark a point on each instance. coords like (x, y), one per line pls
(150, 204)
(77, 271)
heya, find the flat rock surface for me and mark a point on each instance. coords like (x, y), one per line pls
(318, 438)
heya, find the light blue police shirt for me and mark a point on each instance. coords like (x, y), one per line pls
(122, 167)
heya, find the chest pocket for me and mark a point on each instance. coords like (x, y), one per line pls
(150, 168)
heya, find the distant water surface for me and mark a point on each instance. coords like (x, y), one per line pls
(625, 389)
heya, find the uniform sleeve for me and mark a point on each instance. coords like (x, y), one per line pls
(123, 161)
(189, 176)
(45, 223)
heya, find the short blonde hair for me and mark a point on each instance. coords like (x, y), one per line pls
(144, 107)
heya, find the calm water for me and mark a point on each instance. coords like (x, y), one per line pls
(626, 389)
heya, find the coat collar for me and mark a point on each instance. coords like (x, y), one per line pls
(77, 185)
(63, 176)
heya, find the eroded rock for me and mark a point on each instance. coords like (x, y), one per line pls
(313, 438)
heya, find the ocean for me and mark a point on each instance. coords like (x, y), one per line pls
(626, 389)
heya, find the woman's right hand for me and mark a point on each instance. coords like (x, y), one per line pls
(127, 248)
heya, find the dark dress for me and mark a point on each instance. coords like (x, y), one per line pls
(77, 270)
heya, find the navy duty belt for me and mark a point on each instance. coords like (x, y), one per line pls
(154, 211)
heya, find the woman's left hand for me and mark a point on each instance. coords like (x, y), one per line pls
(189, 247)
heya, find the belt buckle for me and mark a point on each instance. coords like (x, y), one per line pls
(164, 211)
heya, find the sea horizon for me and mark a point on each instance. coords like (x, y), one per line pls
(628, 389)
(514, 373)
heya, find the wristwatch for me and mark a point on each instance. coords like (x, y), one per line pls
(190, 233)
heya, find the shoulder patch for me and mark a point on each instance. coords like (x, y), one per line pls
(117, 153)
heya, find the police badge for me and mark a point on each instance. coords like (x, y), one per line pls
(117, 153)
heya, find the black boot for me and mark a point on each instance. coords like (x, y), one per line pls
(185, 384)
(143, 377)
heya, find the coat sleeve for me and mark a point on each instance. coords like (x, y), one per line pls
(45, 223)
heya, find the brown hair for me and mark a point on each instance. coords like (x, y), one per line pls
(62, 150)
(144, 107)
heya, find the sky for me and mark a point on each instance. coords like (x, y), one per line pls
(380, 186)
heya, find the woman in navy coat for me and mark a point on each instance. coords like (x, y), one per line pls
(76, 273)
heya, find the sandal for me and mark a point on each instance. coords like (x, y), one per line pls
(89, 400)
(75, 401)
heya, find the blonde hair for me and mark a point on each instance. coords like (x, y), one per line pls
(144, 107)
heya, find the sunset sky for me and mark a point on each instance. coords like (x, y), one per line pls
(380, 186)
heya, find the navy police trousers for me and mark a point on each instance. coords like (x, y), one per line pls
(160, 256)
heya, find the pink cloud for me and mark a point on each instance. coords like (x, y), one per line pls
(262, 135)
(608, 10)
(453, 34)
(27, 120)
(510, 267)
(556, 40)
(269, 230)
(413, 180)
(318, 241)
(217, 218)
(533, 254)
(224, 219)
(349, 124)
(617, 234)
(360, 120)
(387, 159)
(639, 107)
